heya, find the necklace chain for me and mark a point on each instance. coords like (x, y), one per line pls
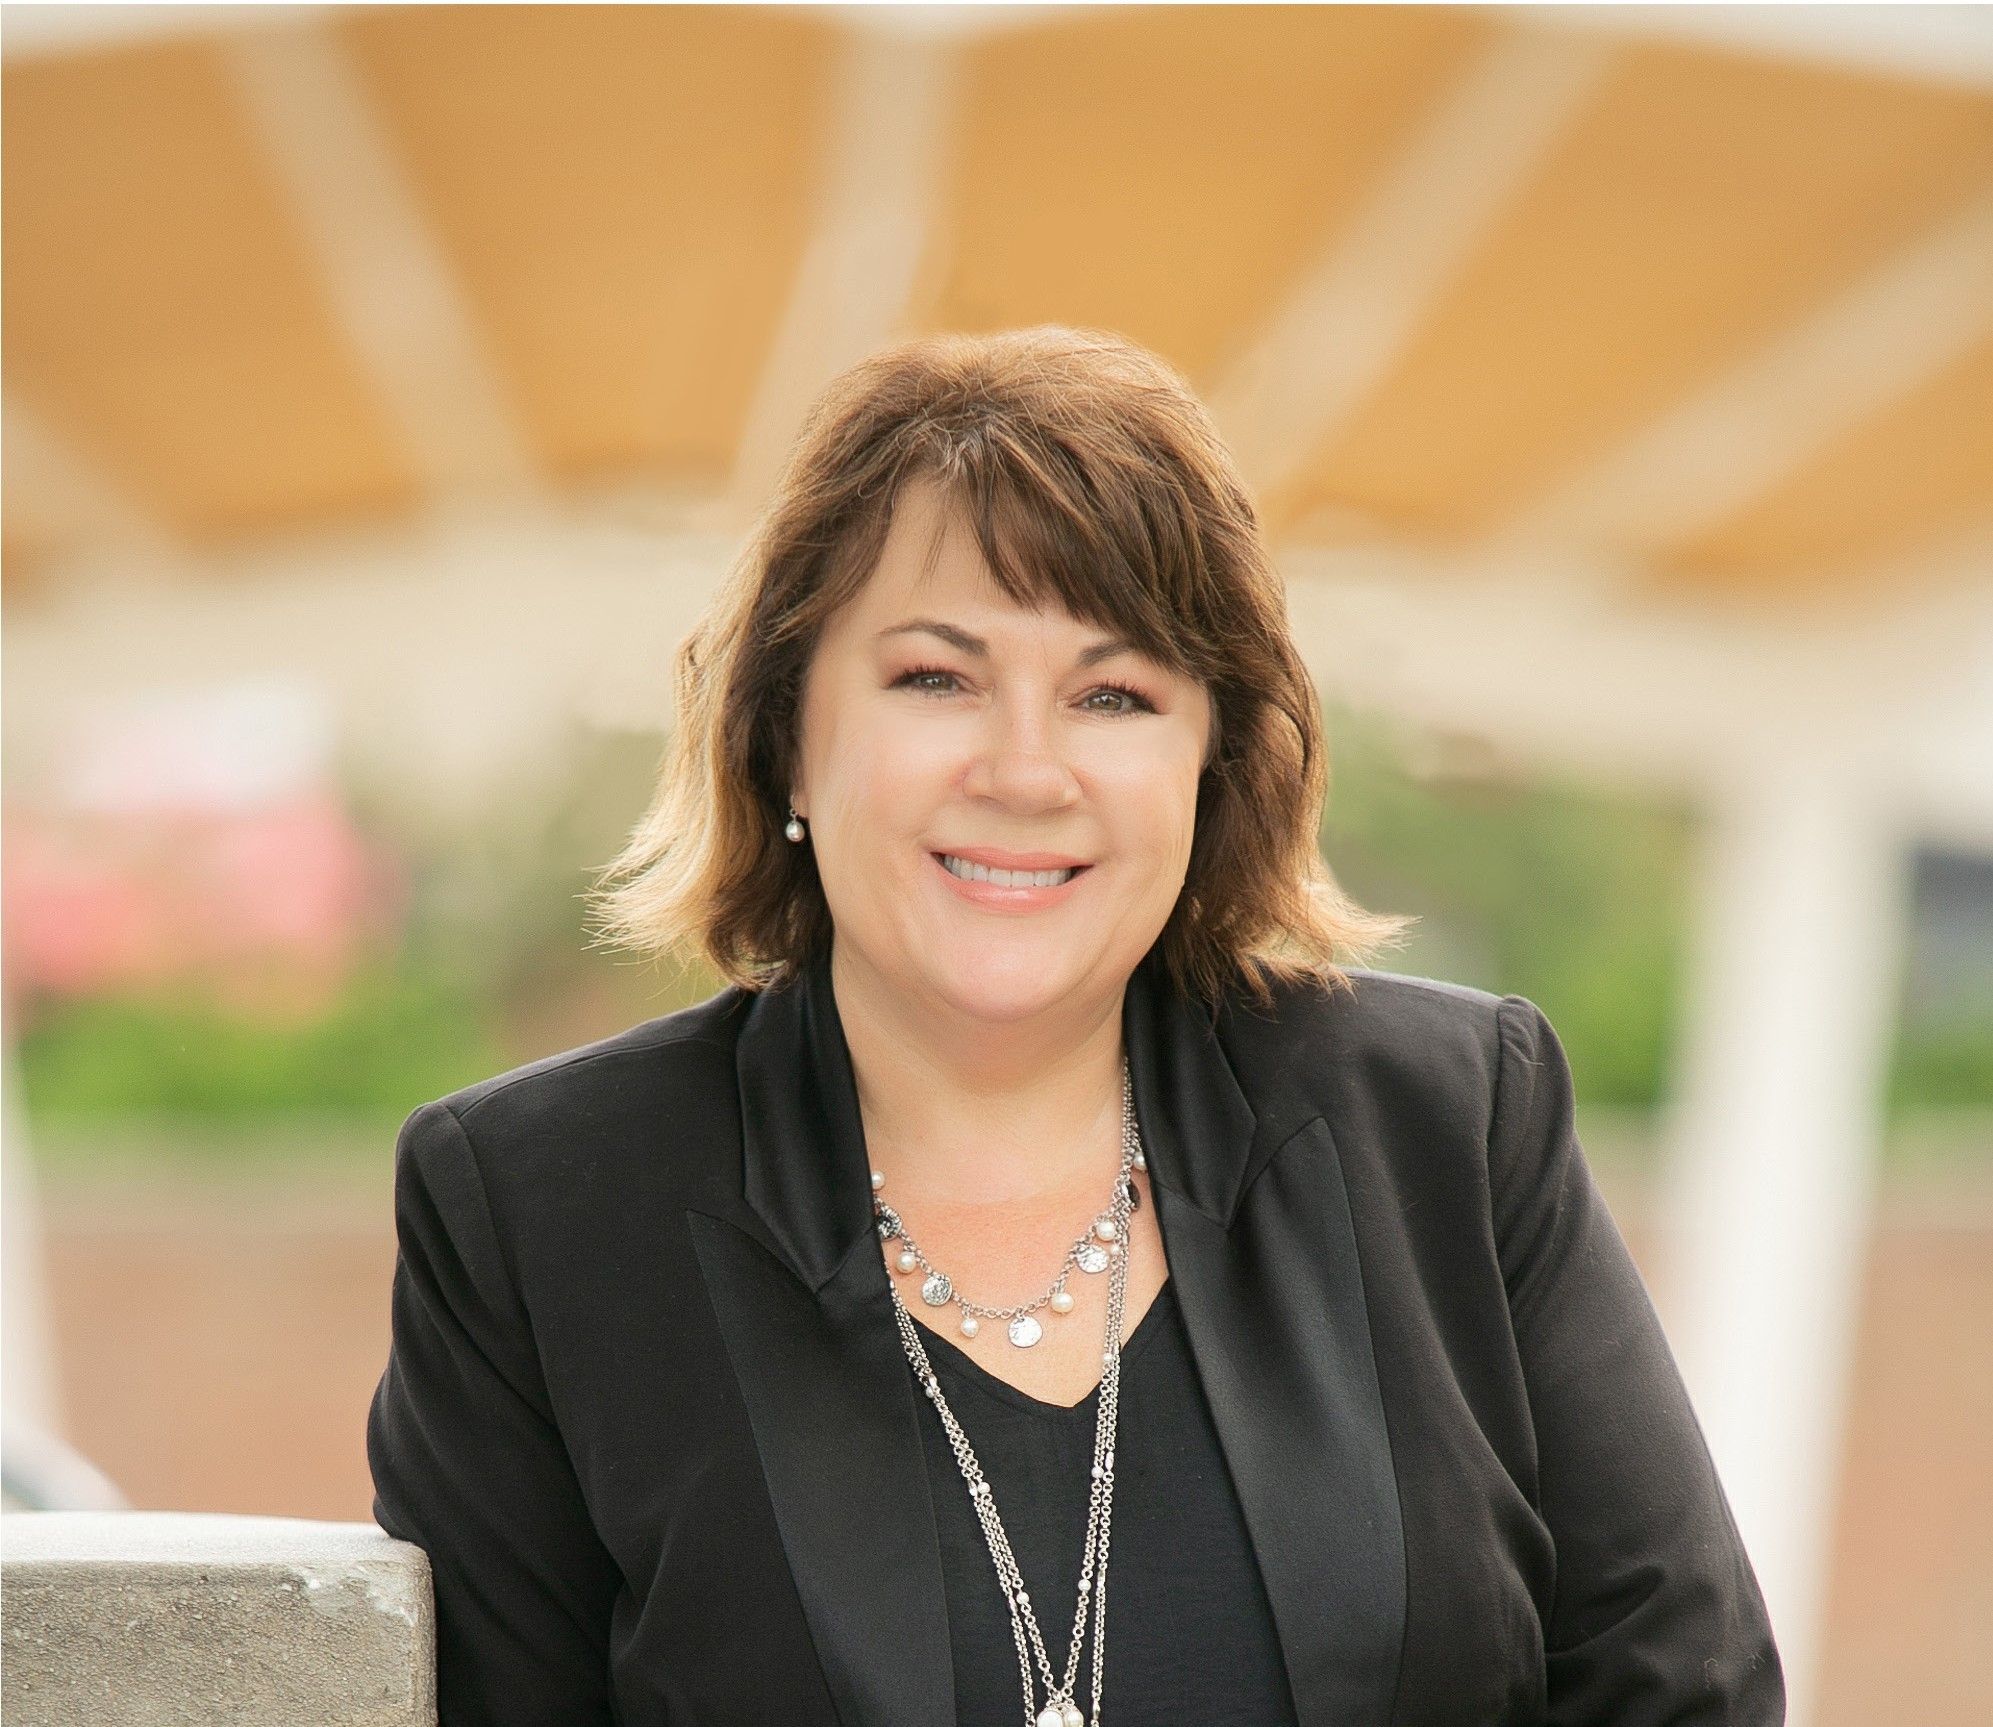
(1090, 1253)
(1060, 1709)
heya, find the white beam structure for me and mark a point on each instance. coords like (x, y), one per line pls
(1938, 44)
(1498, 655)
(1712, 454)
(1941, 773)
(1352, 315)
(388, 279)
(877, 207)
(967, 22)
(51, 31)
(30, 1391)
(1775, 1137)
(578, 611)
(490, 598)
(574, 614)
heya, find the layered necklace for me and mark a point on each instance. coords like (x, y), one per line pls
(1103, 1248)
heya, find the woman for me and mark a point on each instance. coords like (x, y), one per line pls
(1041, 1206)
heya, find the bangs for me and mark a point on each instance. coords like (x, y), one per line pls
(1055, 537)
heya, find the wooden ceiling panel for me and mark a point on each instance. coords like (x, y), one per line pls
(28, 544)
(1168, 171)
(1698, 207)
(624, 193)
(1918, 471)
(161, 313)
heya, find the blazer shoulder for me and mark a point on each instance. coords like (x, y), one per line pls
(580, 1083)
(1381, 1011)
(1405, 987)
(1418, 1044)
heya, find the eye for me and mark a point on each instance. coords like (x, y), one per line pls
(1137, 702)
(918, 672)
(1142, 704)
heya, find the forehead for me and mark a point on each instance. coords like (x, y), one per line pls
(931, 564)
(930, 554)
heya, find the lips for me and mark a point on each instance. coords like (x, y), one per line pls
(994, 857)
(1069, 871)
(1013, 895)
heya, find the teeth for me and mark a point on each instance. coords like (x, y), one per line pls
(1004, 877)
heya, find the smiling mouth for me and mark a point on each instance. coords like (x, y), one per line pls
(963, 870)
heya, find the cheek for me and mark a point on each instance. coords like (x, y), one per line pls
(1156, 807)
(889, 770)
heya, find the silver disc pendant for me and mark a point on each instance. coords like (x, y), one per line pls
(1025, 1331)
(936, 1290)
(1093, 1257)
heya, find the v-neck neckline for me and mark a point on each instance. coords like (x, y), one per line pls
(995, 1386)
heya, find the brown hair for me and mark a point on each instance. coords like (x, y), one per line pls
(1095, 482)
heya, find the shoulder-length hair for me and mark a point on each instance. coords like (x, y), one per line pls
(1095, 482)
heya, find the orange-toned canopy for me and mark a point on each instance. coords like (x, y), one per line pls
(1717, 317)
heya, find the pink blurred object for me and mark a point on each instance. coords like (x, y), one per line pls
(195, 839)
(271, 906)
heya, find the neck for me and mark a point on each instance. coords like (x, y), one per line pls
(960, 1113)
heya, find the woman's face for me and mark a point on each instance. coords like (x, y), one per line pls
(941, 718)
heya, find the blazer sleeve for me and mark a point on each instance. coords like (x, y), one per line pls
(1657, 1615)
(468, 1464)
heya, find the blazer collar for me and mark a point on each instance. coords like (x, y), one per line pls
(803, 1139)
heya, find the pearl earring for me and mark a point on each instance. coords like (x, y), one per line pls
(795, 829)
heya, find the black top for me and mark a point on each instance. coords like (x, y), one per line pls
(1190, 1636)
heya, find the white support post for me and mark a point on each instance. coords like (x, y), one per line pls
(1774, 1144)
(30, 1393)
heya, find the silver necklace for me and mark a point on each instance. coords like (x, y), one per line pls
(1060, 1708)
(1091, 1253)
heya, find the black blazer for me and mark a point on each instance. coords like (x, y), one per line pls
(646, 1409)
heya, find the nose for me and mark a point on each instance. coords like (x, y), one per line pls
(1020, 763)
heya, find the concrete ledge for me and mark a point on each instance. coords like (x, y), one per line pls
(144, 1619)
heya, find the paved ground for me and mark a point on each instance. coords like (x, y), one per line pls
(219, 1349)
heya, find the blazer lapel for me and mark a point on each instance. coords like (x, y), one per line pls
(1257, 1230)
(802, 1298)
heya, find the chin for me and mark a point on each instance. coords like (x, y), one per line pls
(1010, 984)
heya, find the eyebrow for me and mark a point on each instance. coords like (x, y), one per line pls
(962, 640)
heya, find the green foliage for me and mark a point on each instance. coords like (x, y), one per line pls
(1577, 897)
(1549, 889)
(1944, 1066)
(392, 1040)
(492, 968)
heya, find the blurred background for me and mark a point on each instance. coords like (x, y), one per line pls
(386, 388)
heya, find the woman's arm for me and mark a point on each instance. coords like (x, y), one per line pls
(469, 1466)
(1657, 1617)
